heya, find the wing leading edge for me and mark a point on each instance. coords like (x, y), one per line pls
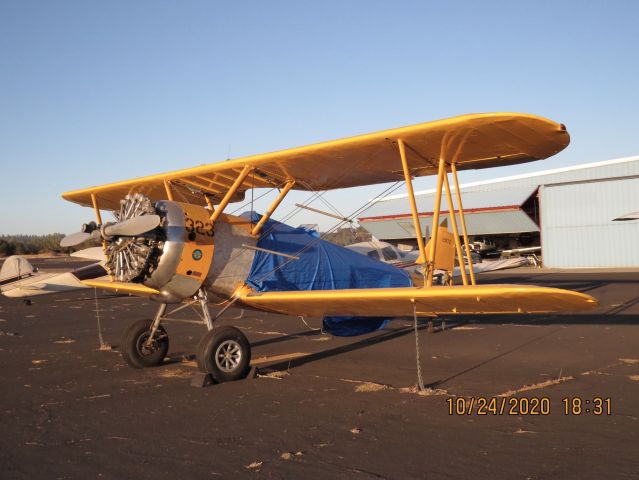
(396, 302)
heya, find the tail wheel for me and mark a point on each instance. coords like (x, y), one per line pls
(137, 351)
(225, 353)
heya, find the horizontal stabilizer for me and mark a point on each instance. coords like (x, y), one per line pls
(15, 268)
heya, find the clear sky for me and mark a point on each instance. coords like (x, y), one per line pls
(94, 91)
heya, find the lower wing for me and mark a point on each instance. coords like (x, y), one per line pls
(396, 302)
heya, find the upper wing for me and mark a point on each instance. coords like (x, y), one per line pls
(396, 302)
(470, 141)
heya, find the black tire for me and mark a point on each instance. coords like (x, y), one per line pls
(132, 345)
(225, 353)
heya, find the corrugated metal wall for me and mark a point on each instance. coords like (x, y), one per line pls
(577, 228)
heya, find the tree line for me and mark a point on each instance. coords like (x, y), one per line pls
(35, 244)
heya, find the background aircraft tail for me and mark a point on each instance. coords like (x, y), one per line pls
(15, 268)
(19, 279)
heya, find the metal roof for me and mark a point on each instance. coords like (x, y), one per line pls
(391, 219)
(504, 190)
(512, 197)
(481, 223)
(618, 167)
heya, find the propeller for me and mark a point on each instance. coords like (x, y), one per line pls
(628, 216)
(127, 228)
(78, 237)
(131, 227)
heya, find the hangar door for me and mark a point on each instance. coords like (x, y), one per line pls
(577, 228)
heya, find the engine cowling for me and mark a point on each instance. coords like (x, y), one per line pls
(174, 258)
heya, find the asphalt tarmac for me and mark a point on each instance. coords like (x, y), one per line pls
(325, 407)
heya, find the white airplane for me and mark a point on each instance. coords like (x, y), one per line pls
(19, 279)
(385, 252)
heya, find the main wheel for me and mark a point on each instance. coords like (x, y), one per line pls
(134, 349)
(225, 353)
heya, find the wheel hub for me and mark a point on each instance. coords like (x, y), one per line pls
(145, 347)
(228, 355)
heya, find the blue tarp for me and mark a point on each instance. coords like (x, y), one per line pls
(322, 265)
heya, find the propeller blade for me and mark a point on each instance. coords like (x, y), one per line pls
(74, 239)
(91, 253)
(133, 226)
(79, 237)
(628, 216)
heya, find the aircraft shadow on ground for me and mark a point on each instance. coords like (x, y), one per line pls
(441, 382)
(383, 336)
(451, 323)
(283, 338)
(391, 335)
(582, 285)
(613, 317)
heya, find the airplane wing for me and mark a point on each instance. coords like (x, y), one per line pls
(470, 141)
(396, 302)
(42, 284)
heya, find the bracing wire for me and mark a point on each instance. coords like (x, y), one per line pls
(389, 190)
(316, 195)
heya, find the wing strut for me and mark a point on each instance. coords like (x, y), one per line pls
(169, 195)
(96, 209)
(98, 217)
(258, 228)
(442, 183)
(453, 221)
(413, 205)
(441, 171)
(463, 225)
(227, 198)
(435, 229)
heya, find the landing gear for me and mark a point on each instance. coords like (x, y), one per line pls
(225, 354)
(140, 348)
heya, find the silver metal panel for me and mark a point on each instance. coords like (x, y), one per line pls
(232, 261)
(173, 246)
(173, 287)
(487, 223)
(577, 227)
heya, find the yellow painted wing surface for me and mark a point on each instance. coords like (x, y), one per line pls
(396, 302)
(470, 141)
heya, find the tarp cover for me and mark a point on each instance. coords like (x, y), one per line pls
(322, 265)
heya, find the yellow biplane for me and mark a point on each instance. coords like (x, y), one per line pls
(174, 243)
